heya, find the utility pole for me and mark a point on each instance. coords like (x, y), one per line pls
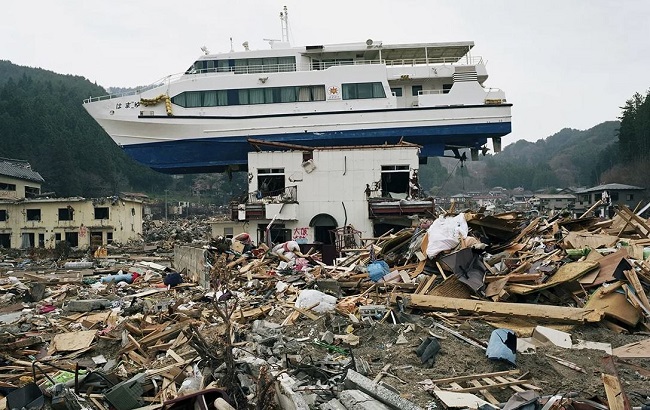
(166, 191)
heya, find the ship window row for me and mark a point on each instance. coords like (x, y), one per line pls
(246, 96)
(244, 65)
(359, 91)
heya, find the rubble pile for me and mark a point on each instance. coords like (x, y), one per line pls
(165, 234)
(466, 311)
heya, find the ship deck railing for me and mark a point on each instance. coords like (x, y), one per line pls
(282, 68)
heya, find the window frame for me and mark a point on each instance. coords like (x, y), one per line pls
(36, 215)
(415, 89)
(97, 208)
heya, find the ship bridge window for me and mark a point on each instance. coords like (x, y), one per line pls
(356, 91)
(397, 91)
(245, 65)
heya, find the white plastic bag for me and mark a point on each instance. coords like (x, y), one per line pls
(310, 297)
(445, 234)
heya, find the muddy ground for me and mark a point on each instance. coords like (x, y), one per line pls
(378, 345)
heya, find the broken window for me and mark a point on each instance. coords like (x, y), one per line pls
(109, 237)
(101, 213)
(5, 240)
(57, 237)
(395, 181)
(96, 239)
(72, 238)
(41, 240)
(270, 182)
(7, 187)
(66, 214)
(31, 192)
(33, 215)
(3, 215)
(278, 233)
(613, 196)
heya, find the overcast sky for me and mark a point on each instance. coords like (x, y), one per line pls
(561, 63)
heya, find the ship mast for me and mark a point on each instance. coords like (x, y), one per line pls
(284, 21)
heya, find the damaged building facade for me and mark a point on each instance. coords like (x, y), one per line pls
(305, 195)
(29, 221)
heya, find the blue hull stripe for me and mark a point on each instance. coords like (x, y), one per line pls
(216, 154)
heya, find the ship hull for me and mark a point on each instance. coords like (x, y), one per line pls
(219, 153)
(186, 144)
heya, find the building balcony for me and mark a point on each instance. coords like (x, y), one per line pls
(281, 205)
(381, 207)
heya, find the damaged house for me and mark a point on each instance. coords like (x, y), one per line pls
(308, 194)
(28, 220)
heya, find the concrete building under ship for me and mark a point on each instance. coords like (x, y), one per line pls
(328, 197)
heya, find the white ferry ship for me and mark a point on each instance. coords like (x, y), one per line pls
(431, 94)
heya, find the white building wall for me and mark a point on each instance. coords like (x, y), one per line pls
(340, 177)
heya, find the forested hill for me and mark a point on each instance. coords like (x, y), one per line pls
(42, 121)
(567, 158)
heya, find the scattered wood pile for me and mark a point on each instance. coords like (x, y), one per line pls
(281, 329)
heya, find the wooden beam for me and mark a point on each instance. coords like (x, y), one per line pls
(532, 311)
(615, 395)
(594, 206)
(475, 376)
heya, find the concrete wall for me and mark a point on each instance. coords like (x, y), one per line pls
(336, 186)
(20, 187)
(124, 222)
(220, 228)
(192, 259)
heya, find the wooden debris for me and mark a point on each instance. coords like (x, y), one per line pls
(558, 313)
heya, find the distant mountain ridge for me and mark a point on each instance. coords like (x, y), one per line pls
(43, 122)
(567, 158)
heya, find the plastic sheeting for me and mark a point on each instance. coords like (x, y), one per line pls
(445, 234)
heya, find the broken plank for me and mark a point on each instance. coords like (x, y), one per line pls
(534, 311)
(484, 392)
(615, 395)
(501, 383)
(474, 376)
(638, 288)
(306, 312)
